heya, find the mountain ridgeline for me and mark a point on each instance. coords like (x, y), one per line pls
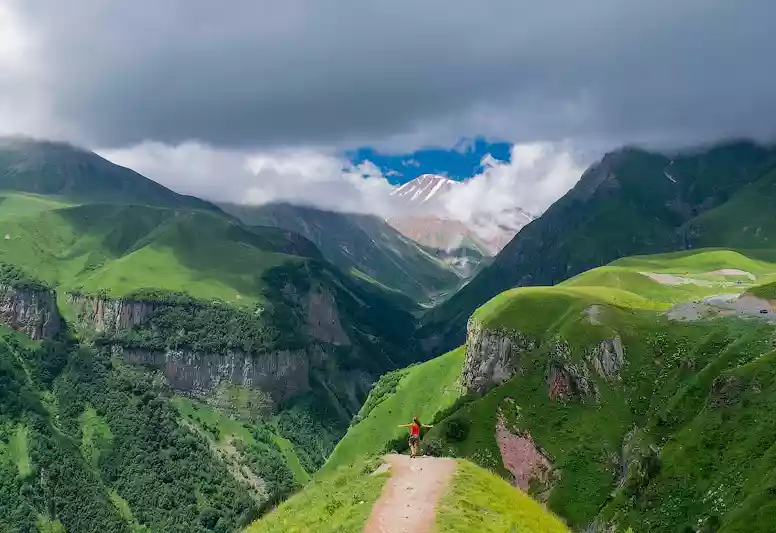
(631, 202)
(362, 245)
(62, 170)
(167, 364)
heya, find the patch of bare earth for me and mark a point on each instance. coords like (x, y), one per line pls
(734, 272)
(410, 496)
(523, 458)
(673, 280)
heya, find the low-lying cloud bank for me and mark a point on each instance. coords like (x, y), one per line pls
(537, 175)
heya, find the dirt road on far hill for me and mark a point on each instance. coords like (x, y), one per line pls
(409, 498)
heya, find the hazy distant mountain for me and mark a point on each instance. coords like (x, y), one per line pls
(426, 220)
(363, 245)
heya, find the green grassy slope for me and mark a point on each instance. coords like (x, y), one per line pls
(767, 291)
(341, 501)
(422, 390)
(478, 500)
(746, 220)
(79, 176)
(360, 242)
(632, 202)
(121, 249)
(696, 274)
(685, 388)
(16, 205)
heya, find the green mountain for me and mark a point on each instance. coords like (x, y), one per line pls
(65, 171)
(165, 366)
(186, 371)
(363, 245)
(632, 202)
(638, 395)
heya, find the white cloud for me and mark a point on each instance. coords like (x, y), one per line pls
(306, 177)
(21, 100)
(537, 175)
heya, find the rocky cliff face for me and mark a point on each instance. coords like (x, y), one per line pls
(33, 312)
(282, 374)
(279, 373)
(608, 357)
(108, 315)
(492, 356)
(323, 318)
(566, 379)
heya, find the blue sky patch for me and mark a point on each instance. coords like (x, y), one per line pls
(459, 162)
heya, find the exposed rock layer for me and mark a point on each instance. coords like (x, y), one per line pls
(492, 356)
(32, 312)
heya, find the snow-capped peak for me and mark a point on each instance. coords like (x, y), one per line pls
(423, 188)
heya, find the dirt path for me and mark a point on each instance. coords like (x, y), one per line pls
(409, 498)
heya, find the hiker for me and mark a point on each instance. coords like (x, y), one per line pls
(414, 435)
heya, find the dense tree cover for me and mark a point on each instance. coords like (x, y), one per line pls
(42, 473)
(165, 472)
(180, 321)
(313, 427)
(264, 457)
(18, 279)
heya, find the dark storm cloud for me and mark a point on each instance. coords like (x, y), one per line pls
(249, 73)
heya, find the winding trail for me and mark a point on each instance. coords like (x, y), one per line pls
(409, 498)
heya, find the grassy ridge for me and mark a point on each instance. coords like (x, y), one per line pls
(421, 390)
(676, 377)
(16, 205)
(121, 249)
(340, 502)
(668, 394)
(478, 500)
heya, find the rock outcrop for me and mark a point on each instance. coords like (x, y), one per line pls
(640, 460)
(567, 380)
(110, 315)
(323, 318)
(608, 358)
(281, 373)
(492, 356)
(32, 312)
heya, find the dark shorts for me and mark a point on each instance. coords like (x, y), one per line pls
(414, 439)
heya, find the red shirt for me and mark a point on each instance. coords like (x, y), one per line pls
(415, 430)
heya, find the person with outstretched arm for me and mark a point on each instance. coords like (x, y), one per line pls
(414, 427)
